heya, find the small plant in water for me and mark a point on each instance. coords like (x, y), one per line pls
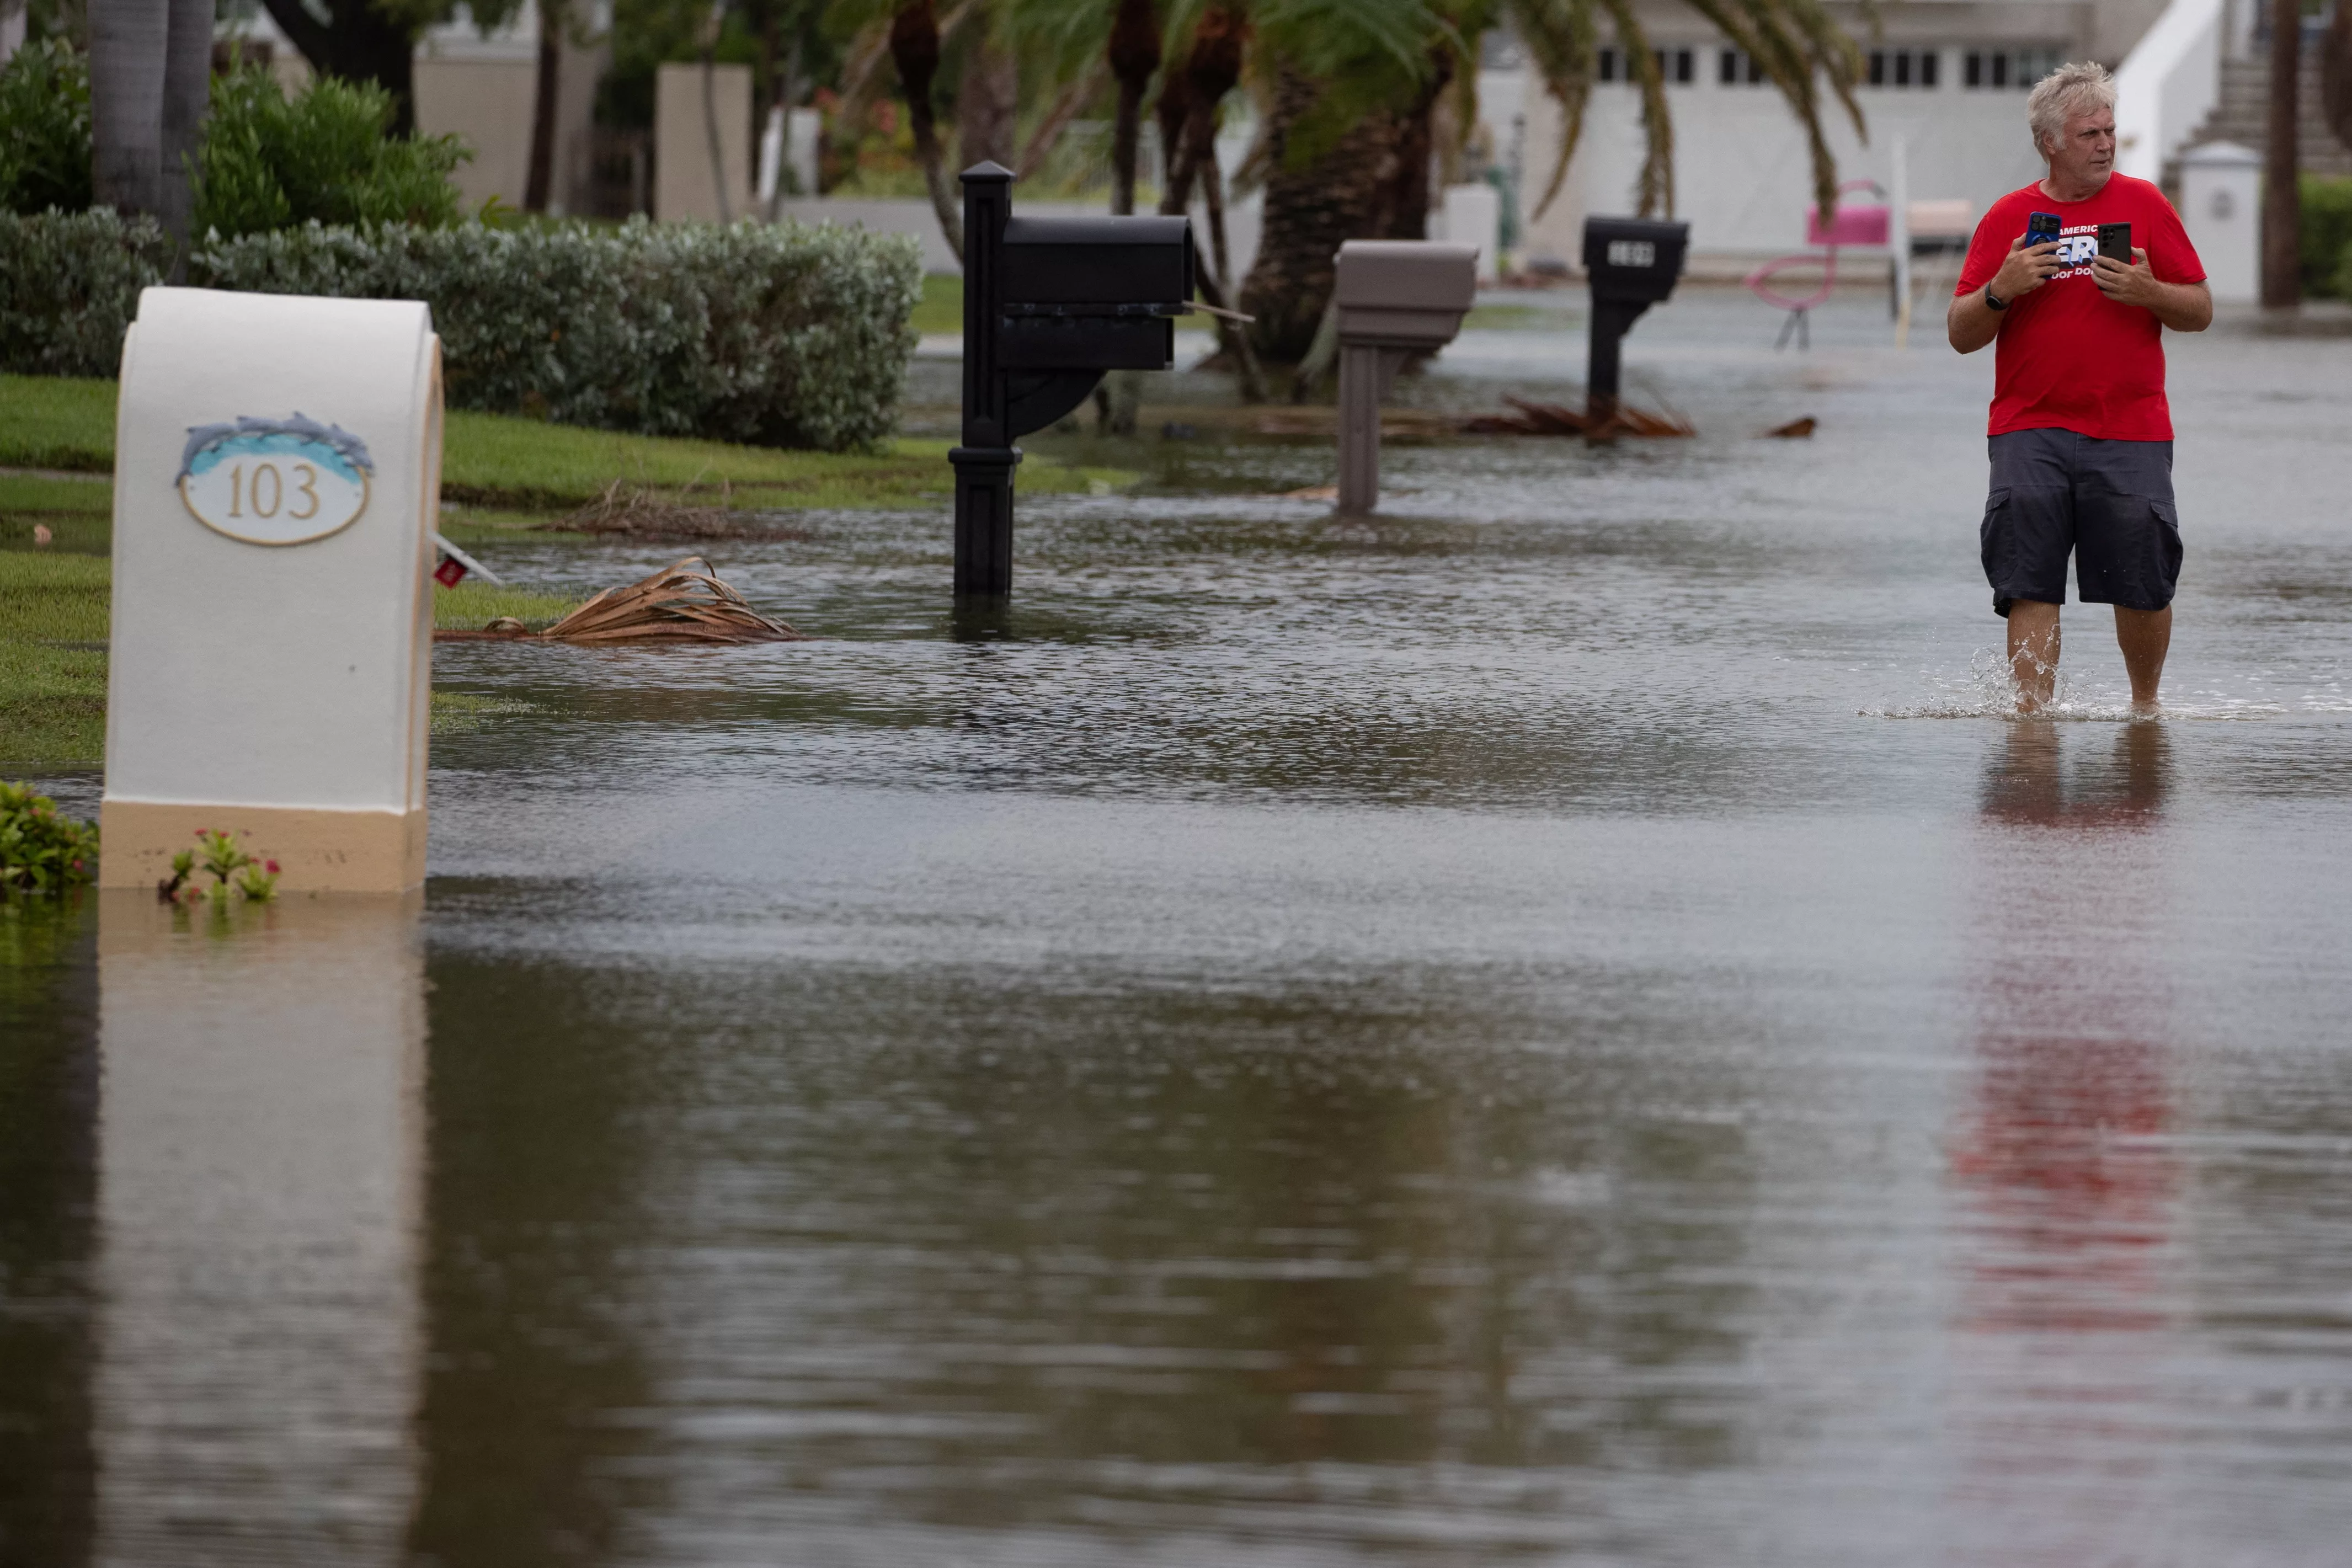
(42, 850)
(234, 872)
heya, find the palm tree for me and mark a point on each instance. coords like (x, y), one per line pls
(2335, 73)
(151, 82)
(1349, 88)
(553, 20)
(2282, 191)
(915, 51)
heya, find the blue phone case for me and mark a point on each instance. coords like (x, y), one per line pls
(2040, 228)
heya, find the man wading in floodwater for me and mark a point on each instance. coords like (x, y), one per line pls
(2081, 435)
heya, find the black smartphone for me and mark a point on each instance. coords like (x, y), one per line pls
(2115, 242)
(2040, 228)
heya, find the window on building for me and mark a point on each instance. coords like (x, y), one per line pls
(2018, 68)
(1675, 66)
(1904, 68)
(1736, 68)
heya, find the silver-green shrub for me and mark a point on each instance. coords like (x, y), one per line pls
(784, 335)
(69, 284)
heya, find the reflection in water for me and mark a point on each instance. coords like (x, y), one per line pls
(1454, 1045)
(2065, 1163)
(540, 1111)
(49, 1177)
(784, 1265)
(259, 1175)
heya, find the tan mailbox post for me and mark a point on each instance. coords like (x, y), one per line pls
(1396, 297)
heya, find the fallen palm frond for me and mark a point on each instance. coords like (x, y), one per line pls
(675, 604)
(645, 513)
(1534, 418)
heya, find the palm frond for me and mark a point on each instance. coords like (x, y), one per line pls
(1794, 41)
(1654, 185)
(1560, 41)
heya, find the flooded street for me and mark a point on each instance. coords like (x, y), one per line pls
(1559, 1023)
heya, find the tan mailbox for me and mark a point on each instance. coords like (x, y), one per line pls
(1396, 297)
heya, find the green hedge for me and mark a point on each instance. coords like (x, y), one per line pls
(69, 283)
(2326, 236)
(781, 335)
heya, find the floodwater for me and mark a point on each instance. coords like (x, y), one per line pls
(1559, 1024)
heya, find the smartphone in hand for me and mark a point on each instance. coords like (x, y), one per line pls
(2115, 242)
(2040, 228)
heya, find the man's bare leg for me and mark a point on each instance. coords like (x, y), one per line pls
(2145, 635)
(2033, 652)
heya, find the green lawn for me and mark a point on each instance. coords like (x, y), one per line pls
(517, 466)
(52, 657)
(500, 472)
(53, 630)
(940, 310)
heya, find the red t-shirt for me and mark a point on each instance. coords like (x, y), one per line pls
(2070, 358)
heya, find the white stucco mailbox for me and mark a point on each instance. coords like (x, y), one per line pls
(2222, 208)
(1396, 297)
(277, 478)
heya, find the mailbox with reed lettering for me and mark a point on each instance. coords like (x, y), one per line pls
(1630, 264)
(1396, 298)
(1049, 304)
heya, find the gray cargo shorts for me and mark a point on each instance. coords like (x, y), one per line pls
(2107, 502)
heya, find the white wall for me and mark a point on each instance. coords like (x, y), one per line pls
(684, 185)
(1743, 177)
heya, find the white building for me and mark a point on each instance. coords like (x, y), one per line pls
(1947, 82)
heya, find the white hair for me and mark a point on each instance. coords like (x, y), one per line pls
(2078, 87)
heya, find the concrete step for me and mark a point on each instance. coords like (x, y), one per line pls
(2243, 116)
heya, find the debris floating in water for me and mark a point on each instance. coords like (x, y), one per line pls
(1534, 418)
(1795, 428)
(675, 605)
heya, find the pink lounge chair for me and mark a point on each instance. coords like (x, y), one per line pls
(1847, 226)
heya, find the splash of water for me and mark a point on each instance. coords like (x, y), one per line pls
(1988, 690)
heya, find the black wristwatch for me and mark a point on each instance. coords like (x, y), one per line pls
(1994, 301)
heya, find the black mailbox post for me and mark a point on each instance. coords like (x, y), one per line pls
(1630, 264)
(1049, 304)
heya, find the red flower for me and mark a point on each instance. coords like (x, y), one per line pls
(272, 865)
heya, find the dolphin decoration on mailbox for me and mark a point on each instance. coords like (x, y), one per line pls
(1049, 304)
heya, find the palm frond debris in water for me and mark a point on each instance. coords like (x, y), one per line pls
(678, 604)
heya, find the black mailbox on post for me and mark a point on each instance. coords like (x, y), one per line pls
(1049, 304)
(1630, 264)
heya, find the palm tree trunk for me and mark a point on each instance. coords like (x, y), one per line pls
(1309, 211)
(988, 100)
(2335, 73)
(1404, 204)
(535, 191)
(1134, 57)
(2281, 201)
(129, 45)
(915, 51)
(187, 95)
